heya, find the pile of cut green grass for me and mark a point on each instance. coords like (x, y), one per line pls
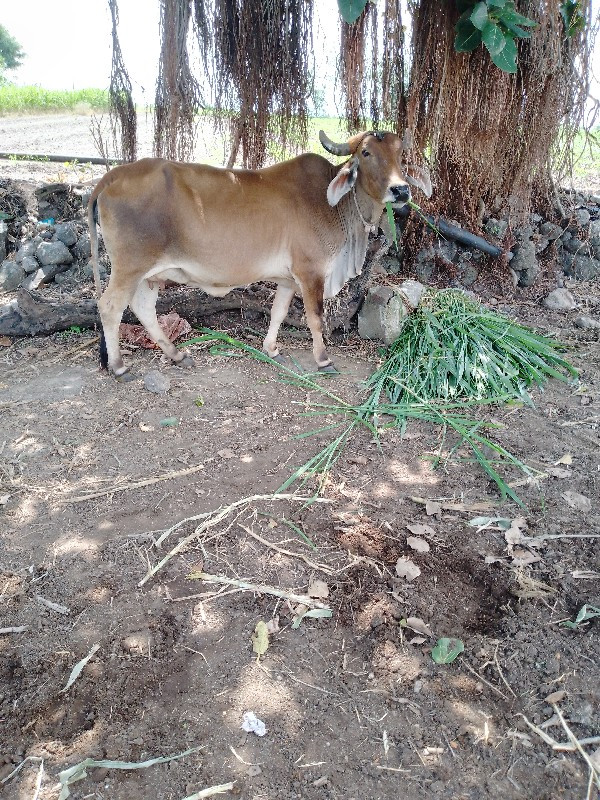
(452, 348)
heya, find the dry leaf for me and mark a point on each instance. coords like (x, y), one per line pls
(273, 626)
(577, 501)
(417, 640)
(405, 568)
(318, 588)
(514, 535)
(5, 341)
(559, 472)
(172, 325)
(418, 544)
(521, 558)
(433, 509)
(578, 573)
(226, 453)
(260, 639)
(493, 559)
(566, 459)
(595, 759)
(417, 625)
(556, 697)
(421, 530)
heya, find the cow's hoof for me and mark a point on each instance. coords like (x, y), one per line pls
(187, 362)
(126, 377)
(329, 369)
(279, 359)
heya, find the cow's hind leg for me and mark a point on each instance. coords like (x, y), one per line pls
(143, 305)
(111, 306)
(312, 294)
(281, 303)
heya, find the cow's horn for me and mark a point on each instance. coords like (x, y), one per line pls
(332, 147)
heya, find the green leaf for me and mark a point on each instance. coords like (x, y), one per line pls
(447, 650)
(515, 30)
(506, 59)
(479, 17)
(496, 3)
(493, 38)
(351, 9)
(467, 38)
(508, 12)
(392, 222)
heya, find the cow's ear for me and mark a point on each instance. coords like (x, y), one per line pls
(343, 182)
(419, 177)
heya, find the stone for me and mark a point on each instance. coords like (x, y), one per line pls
(30, 264)
(67, 276)
(496, 227)
(586, 322)
(447, 250)
(53, 253)
(11, 275)
(585, 268)
(28, 249)
(560, 300)
(3, 235)
(581, 217)
(385, 309)
(469, 276)
(551, 231)
(42, 275)
(525, 262)
(65, 232)
(576, 246)
(595, 231)
(541, 243)
(156, 382)
(524, 233)
(567, 262)
(88, 270)
(83, 248)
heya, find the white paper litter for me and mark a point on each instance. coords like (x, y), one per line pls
(252, 724)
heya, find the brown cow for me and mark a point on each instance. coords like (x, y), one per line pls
(303, 224)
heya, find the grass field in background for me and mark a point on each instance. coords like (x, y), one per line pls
(35, 100)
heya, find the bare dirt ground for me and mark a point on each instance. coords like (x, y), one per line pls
(354, 705)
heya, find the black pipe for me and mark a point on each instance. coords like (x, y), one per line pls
(45, 157)
(448, 231)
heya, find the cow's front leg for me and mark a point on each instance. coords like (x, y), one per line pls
(312, 294)
(281, 303)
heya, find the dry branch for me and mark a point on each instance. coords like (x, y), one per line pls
(137, 485)
(303, 599)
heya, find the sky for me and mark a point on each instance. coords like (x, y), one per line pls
(68, 43)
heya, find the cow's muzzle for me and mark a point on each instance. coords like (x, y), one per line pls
(401, 193)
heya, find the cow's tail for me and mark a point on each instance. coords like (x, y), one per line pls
(93, 226)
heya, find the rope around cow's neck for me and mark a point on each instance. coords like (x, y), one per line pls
(370, 227)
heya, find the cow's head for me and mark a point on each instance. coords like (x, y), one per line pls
(375, 162)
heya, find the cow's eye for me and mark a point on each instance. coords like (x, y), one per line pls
(366, 153)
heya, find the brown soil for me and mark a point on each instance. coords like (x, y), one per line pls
(355, 706)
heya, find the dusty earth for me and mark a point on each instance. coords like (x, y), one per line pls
(354, 705)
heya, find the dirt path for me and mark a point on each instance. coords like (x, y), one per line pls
(354, 705)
